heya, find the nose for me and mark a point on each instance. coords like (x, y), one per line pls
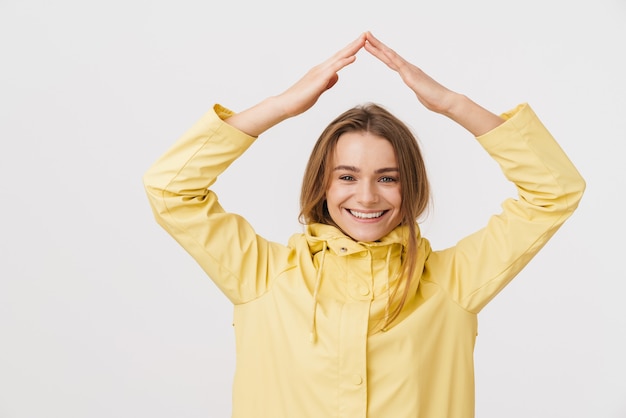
(367, 194)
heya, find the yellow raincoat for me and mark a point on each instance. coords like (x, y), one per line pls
(307, 314)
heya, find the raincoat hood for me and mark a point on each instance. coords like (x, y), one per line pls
(319, 234)
(382, 260)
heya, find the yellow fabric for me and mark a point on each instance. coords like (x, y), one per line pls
(422, 366)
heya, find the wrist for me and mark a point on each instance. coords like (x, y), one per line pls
(455, 105)
(277, 107)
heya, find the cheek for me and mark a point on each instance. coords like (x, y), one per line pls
(333, 194)
(394, 196)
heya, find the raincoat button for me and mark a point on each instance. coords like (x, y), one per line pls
(364, 290)
(356, 379)
(343, 249)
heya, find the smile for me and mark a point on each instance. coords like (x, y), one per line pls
(363, 215)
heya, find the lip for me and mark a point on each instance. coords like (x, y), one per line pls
(366, 212)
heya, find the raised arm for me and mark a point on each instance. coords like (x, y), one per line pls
(433, 95)
(299, 97)
(179, 183)
(475, 269)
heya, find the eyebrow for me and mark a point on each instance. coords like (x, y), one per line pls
(358, 170)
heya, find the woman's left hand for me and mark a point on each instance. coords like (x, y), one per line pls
(429, 92)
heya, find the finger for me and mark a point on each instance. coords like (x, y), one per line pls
(353, 47)
(325, 74)
(378, 53)
(381, 55)
(383, 52)
(347, 54)
(375, 42)
(332, 67)
(369, 36)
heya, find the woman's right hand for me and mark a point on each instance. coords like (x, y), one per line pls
(303, 94)
(299, 97)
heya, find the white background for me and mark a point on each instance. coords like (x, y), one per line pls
(102, 314)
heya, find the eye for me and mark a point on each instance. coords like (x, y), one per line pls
(388, 179)
(346, 177)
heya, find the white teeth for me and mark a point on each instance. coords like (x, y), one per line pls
(370, 215)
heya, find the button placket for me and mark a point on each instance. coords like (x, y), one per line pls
(360, 276)
(352, 359)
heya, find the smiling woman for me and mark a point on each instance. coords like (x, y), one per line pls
(392, 322)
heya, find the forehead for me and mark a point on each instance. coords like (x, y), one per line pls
(364, 148)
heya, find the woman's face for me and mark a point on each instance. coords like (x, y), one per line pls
(364, 194)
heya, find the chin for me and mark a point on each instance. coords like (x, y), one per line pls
(366, 237)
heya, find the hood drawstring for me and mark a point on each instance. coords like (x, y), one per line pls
(392, 277)
(384, 328)
(318, 280)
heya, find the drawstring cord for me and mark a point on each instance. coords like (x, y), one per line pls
(318, 280)
(387, 261)
(391, 294)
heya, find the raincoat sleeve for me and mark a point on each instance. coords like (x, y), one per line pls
(549, 189)
(224, 244)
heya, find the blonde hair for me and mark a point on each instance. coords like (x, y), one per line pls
(415, 189)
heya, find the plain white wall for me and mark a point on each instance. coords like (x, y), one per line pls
(104, 315)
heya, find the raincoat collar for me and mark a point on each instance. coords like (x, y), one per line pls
(323, 239)
(320, 236)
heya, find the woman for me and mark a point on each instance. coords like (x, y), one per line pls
(357, 316)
